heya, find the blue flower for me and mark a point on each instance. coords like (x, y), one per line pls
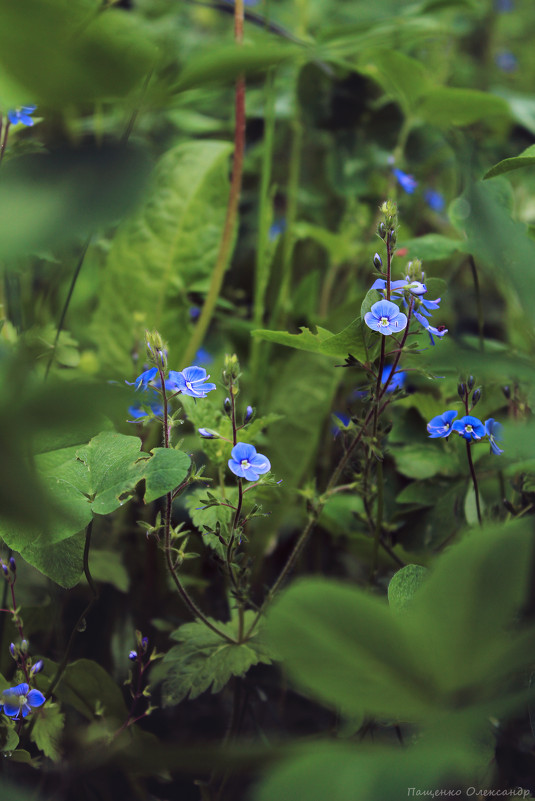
(277, 228)
(20, 699)
(341, 421)
(144, 379)
(386, 318)
(434, 200)
(149, 398)
(397, 381)
(441, 426)
(506, 61)
(494, 432)
(21, 115)
(504, 6)
(469, 427)
(407, 182)
(194, 312)
(245, 462)
(206, 434)
(203, 356)
(190, 381)
(398, 287)
(431, 330)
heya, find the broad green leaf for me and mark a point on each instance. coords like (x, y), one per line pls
(49, 199)
(525, 159)
(9, 739)
(306, 340)
(164, 472)
(203, 660)
(47, 730)
(87, 687)
(107, 566)
(62, 561)
(403, 78)
(431, 247)
(160, 252)
(112, 469)
(350, 340)
(446, 106)
(404, 584)
(89, 53)
(224, 63)
(372, 296)
(424, 461)
(340, 513)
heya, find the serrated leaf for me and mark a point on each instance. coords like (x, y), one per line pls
(305, 340)
(372, 296)
(203, 660)
(161, 251)
(47, 730)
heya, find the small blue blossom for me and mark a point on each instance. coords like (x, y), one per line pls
(20, 699)
(245, 462)
(203, 356)
(149, 398)
(386, 318)
(132, 656)
(206, 434)
(37, 668)
(21, 115)
(398, 287)
(144, 379)
(277, 228)
(341, 421)
(494, 432)
(397, 381)
(407, 182)
(506, 61)
(190, 381)
(469, 427)
(431, 330)
(435, 200)
(194, 313)
(504, 6)
(441, 425)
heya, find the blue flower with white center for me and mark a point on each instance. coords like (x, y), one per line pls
(469, 427)
(407, 182)
(386, 318)
(20, 700)
(431, 330)
(398, 287)
(245, 462)
(21, 115)
(190, 381)
(434, 200)
(494, 432)
(143, 380)
(441, 426)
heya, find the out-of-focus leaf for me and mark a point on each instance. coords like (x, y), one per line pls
(431, 246)
(60, 52)
(157, 254)
(525, 159)
(403, 78)
(87, 687)
(446, 106)
(424, 461)
(350, 340)
(107, 566)
(49, 199)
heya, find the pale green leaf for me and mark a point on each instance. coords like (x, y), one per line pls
(404, 584)
(525, 159)
(445, 106)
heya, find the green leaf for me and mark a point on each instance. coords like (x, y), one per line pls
(49, 199)
(306, 340)
(161, 251)
(204, 660)
(211, 516)
(112, 469)
(164, 472)
(62, 561)
(372, 296)
(89, 54)
(47, 730)
(349, 341)
(86, 686)
(424, 461)
(446, 106)
(107, 566)
(525, 159)
(404, 584)
(403, 78)
(431, 247)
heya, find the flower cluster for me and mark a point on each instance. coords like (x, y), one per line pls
(468, 427)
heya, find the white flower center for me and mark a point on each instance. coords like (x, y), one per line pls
(245, 464)
(446, 426)
(468, 428)
(188, 384)
(384, 321)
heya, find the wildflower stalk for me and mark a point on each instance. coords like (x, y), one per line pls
(236, 520)
(224, 253)
(474, 480)
(479, 304)
(187, 599)
(4, 139)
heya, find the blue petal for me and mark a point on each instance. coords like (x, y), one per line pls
(372, 322)
(36, 698)
(260, 463)
(194, 374)
(251, 474)
(236, 468)
(11, 711)
(243, 451)
(380, 283)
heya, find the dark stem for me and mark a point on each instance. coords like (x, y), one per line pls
(79, 622)
(479, 303)
(474, 480)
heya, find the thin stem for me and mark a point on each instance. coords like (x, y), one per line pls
(378, 521)
(189, 602)
(4, 140)
(479, 303)
(474, 480)
(81, 619)
(225, 246)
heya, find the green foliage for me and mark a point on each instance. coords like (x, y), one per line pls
(204, 660)
(425, 461)
(168, 247)
(344, 646)
(525, 159)
(88, 688)
(47, 730)
(404, 584)
(445, 106)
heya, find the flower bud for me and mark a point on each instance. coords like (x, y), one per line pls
(13, 564)
(248, 415)
(471, 381)
(476, 396)
(461, 389)
(145, 644)
(6, 571)
(12, 650)
(206, 434)
(377, 262)
(132, 656)
(37, 667)
(24, 646)
(228, 406)
(507, 392)
(381, 230)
